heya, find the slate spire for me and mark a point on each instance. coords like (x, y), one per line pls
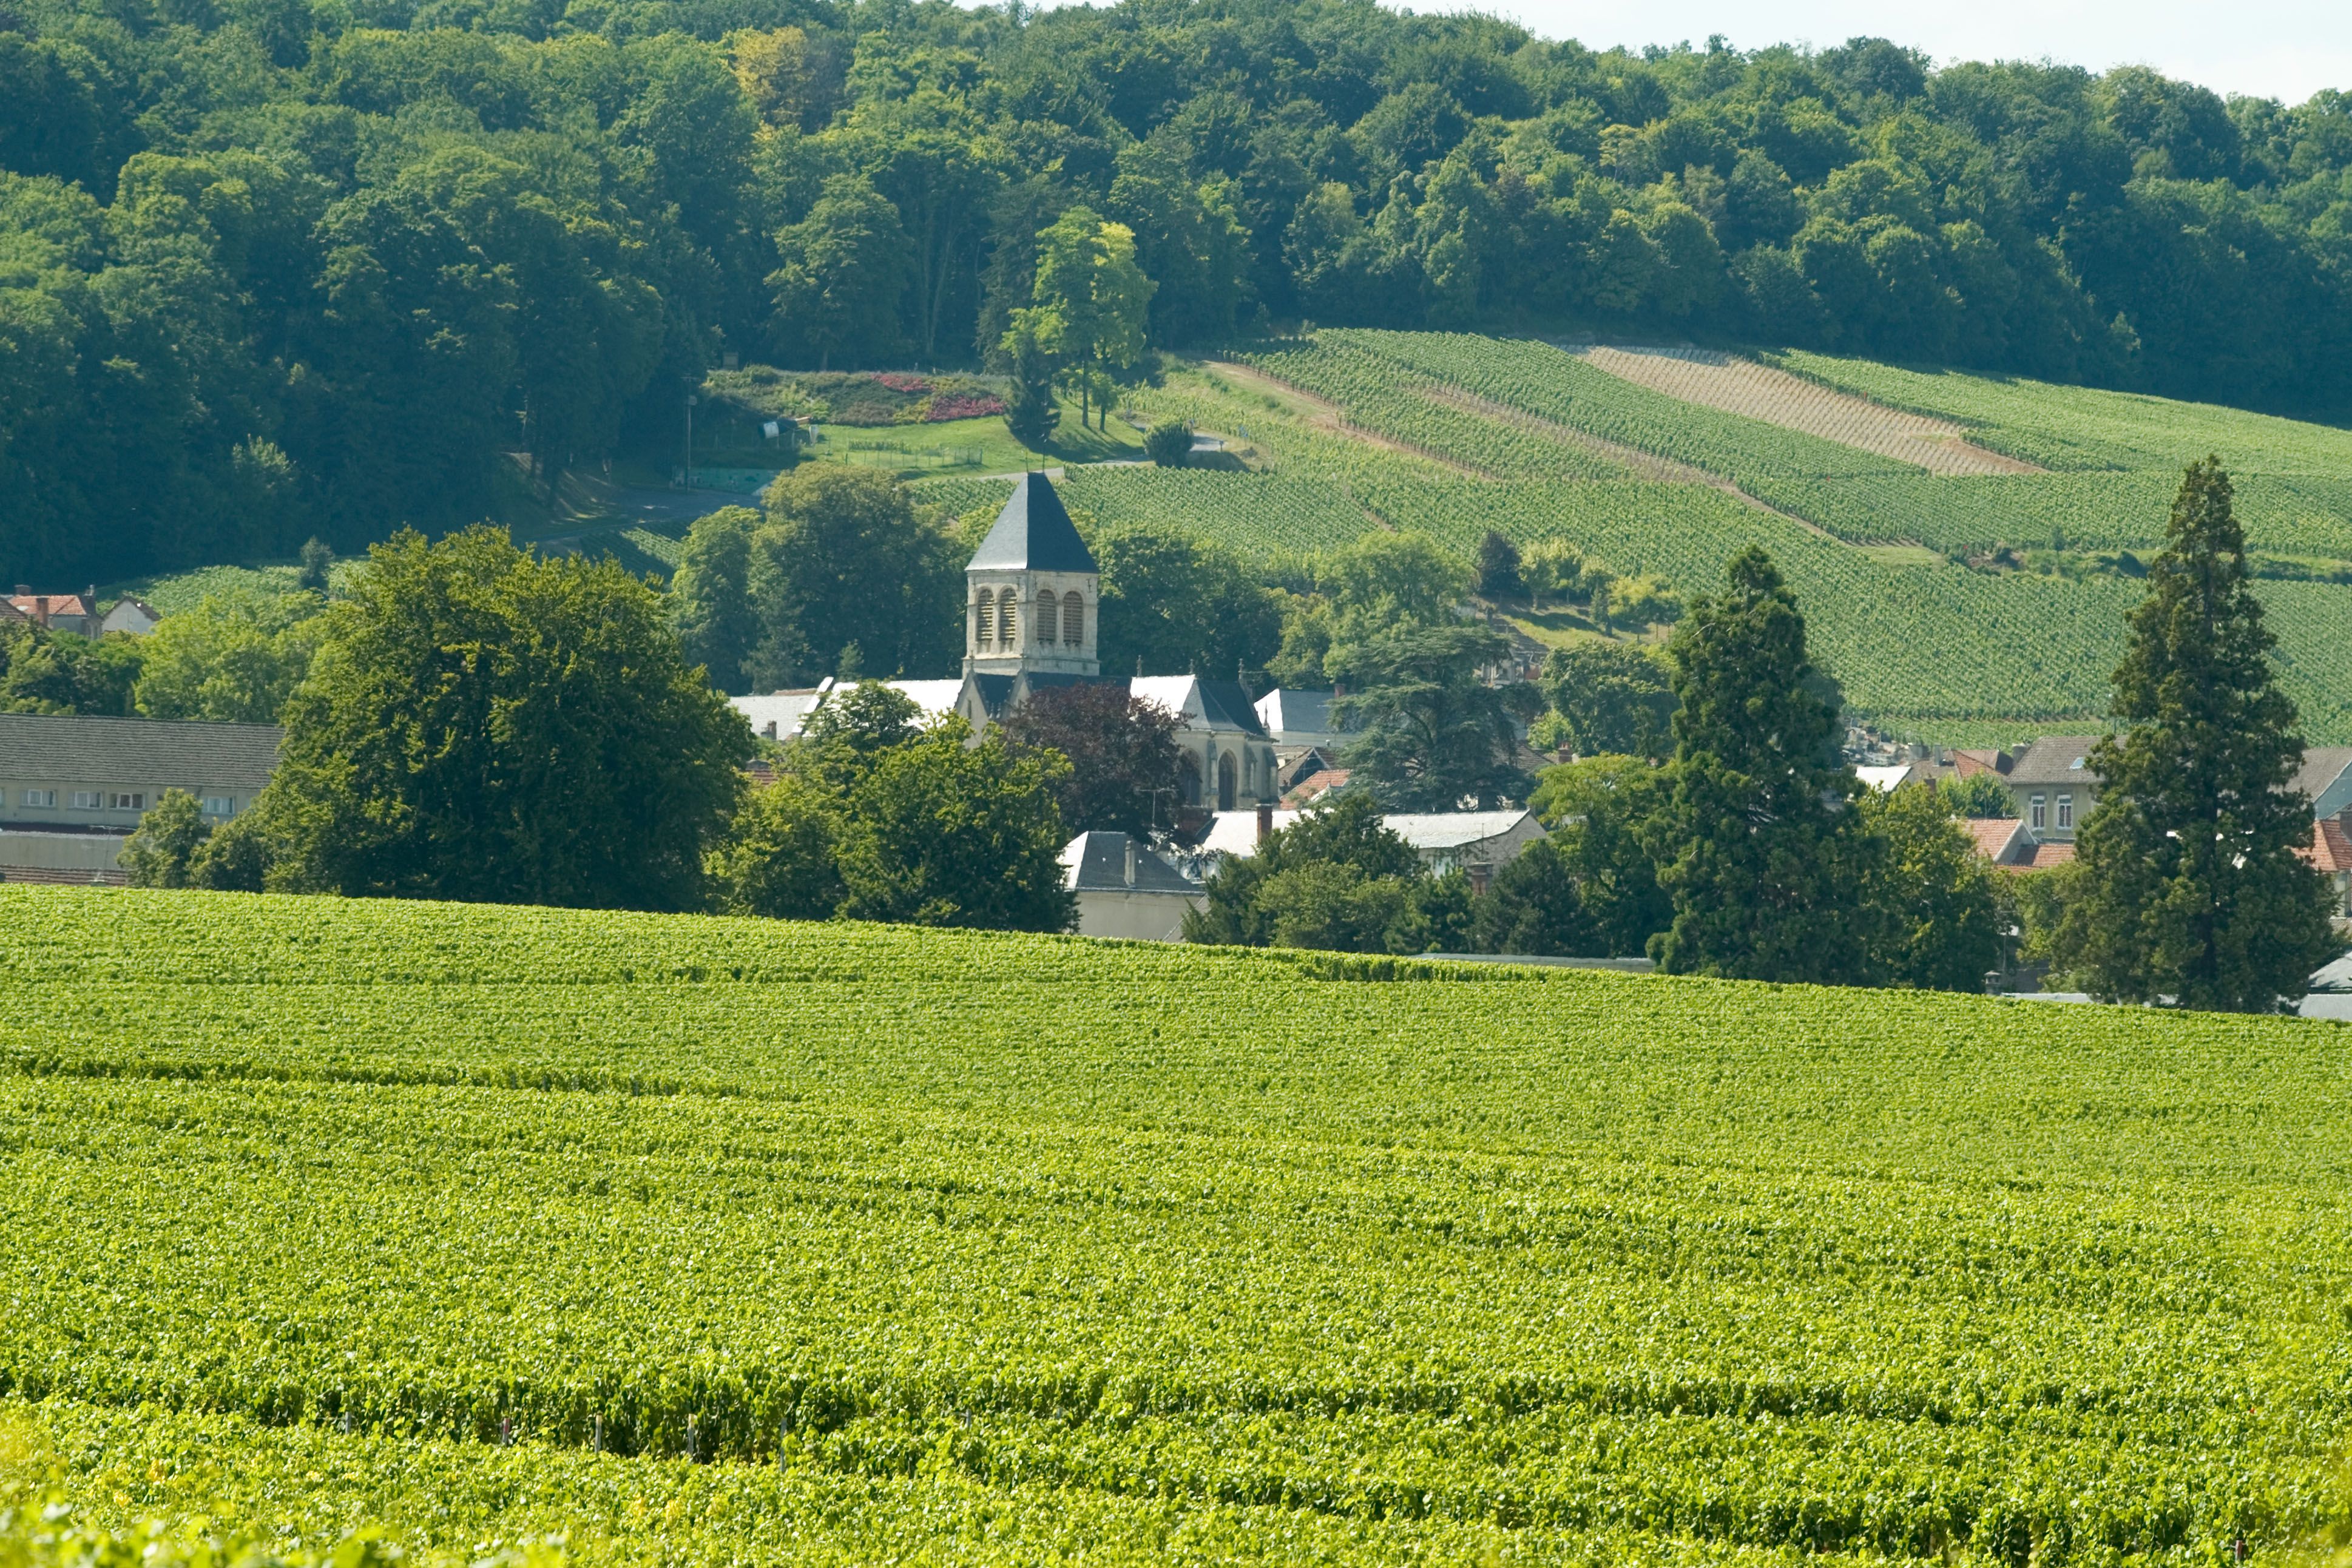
(1034, 533)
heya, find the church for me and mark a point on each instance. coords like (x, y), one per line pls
(1031, 594)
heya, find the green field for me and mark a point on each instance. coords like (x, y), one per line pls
(958, 1247)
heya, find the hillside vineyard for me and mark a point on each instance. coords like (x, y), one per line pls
(1911, 578)
(698, 1239)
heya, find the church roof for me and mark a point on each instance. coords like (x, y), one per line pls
(1034, 533)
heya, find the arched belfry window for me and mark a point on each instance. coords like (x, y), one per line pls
(1049, 612)
(983, 618)
(1008, 620)
(1074, 619)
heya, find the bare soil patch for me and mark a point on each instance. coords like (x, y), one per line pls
(1736, 385)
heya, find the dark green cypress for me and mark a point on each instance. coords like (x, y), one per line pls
(1758, 842)
(2189, 885)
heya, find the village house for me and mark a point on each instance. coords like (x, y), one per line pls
(133, 616)
(1126, 890)
(74, 612)
(1473, 841)
(73, 787)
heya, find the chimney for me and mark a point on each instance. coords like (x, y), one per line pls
(23, 590)
(1130, 859)
(1264, 820)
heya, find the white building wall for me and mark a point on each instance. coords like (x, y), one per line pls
(1138, 916)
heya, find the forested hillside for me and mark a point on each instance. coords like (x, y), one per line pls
(271, 268)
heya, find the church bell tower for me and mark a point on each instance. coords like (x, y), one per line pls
(1031, 590)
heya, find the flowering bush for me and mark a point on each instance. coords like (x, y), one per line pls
(965, 406)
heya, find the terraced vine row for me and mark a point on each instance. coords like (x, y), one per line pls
(2074, 510)
(1391, 398)
(2085, 429)
(1549, 381)
(869, 1222)
(1253, 515)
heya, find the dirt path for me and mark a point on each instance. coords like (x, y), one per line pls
(1323, 415)
(1645, 465)
(1736, 385)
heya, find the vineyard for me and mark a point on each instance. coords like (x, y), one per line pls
(2083, 428)
(695, 1239)
(1454, 434)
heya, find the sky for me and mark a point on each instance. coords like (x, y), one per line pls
(2285, 49)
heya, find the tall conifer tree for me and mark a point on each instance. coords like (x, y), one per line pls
(2190, 886)
(1757, 841)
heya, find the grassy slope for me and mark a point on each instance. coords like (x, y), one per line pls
(1046, 1244)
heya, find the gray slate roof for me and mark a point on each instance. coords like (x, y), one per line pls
(1229, 701)
(2051, 761)
(1101, 859)
(1034, 533)
(162, 754)
(2322, 766)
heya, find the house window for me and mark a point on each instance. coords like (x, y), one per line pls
(47, 797)
(88, 800)
(2065, 812)
(2037, 814)
(124, 801)
(224, 806)
(1074, 619)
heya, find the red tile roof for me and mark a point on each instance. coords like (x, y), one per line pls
(42, 607)
(1994, 837)
(2330, 848)
(1314, 784)
(2048, 854)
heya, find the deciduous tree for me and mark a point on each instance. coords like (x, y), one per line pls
(939, 832)
(1933, 911)
(1122, 752)
(711, 596)
(844, 558)
(480, 725)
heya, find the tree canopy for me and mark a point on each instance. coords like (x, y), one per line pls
(1122, 752)
(1430, 735)
(480, 725)
(275, 271)
(844, 558)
